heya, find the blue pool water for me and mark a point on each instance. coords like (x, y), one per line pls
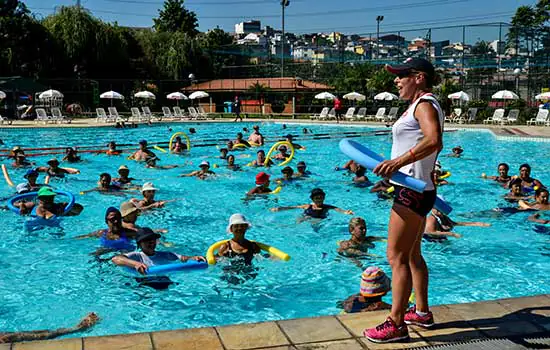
(50, 280)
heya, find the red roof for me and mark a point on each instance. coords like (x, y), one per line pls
(276, 84)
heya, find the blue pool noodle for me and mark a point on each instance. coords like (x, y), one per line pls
(370, 160)
(175, 267)
(442, 206)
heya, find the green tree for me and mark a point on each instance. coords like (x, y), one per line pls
(174, 17)
(382, 80)
(447, 87)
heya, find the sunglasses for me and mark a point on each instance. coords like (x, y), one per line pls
(406, 74)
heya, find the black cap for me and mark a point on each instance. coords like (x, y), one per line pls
(289, 136)
(413, 63)
(316, 192)
(145, 234)
(301, 163)
(287, 169)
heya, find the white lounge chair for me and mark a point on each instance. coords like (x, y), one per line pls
(361, 114)
(193, 113)
(167, 113)
(58, 117)
(540, 119)
(512, 117)
(323, 114)
(498, 117)
(136, 115)
(5, 120)
(178, 113)
(331, 114)
(101, 116)
(113, 116)
(42, 116)
(380, 114)
(202, 113)
(470, 116)
(149, 115)
(455, 115)
(392, 114)
(350, 113)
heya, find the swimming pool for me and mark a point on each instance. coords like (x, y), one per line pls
(49, 279)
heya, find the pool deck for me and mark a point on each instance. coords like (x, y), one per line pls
(513, 319)
(505, 131)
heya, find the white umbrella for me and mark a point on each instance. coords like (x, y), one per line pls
(176, 96)
(461, 95)
(355, 96)
(113, 95)
(505, 95)
(198, 94)
(145, 94)
(543, 96)
(2, 95)
(50, 94)
(386, 96)
(325, 96)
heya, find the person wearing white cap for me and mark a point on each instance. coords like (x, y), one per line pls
(148, 202)
(203, 173)
(124, 178)
(239, 246)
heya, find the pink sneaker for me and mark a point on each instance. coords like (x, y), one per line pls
(411, 317)
(387, 332)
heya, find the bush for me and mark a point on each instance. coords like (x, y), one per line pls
(278, 106)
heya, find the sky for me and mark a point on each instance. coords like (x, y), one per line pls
(408, 18)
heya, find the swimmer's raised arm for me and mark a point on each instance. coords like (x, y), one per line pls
(535, 218)
(121, 260)
(343, 211)
(304, 206)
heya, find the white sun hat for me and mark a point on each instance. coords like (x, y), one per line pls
(237, 219)
(148, 186)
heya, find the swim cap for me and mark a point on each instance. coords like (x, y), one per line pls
(262, 178)
(317, 192)
(30, 172)
(112, 210)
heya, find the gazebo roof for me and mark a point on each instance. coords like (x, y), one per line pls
(273, 84)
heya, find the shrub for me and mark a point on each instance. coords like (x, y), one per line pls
(278, 106)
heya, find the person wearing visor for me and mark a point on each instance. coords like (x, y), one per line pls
(301, 170)
(282, 155)
(262, 185)
(203, 173)
(417, 141)
(142, 153)
(31, 185)
(288, 177)
(20, 160)
(124, 178)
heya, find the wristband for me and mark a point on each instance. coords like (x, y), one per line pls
(412, 155)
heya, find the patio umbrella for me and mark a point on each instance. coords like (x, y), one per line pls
(543, 96)
(505, 95)
(198, 94)
(355, 96)
(145, 94)
(460, 95)
(386, 96)
(2, 95)
(176, 96)
(111, 95)
(50, 94)
(325, 96)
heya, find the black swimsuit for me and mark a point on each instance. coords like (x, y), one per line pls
(246, 256)
(318, 213)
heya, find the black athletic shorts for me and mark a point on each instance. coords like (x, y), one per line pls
(420, 203)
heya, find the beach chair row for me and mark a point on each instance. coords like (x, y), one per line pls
(330, 113)
(145, 114)
(55, 117)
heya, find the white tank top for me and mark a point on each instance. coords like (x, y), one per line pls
(407, 134)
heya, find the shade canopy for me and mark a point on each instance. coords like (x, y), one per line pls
(543, 96)
(460, 95)
(50, 94)
(505, 95)
(198, 94)
(113, 95)
(176, 96)
(325, 96)
(145, 94)
(2, 95)
(386, 96)
(355, 96)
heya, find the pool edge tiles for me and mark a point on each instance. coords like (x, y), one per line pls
(502, 318)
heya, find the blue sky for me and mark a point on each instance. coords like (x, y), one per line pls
(356, 16)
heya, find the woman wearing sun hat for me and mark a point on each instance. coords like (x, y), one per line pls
(124, 176)
(417, 141)
(239, 246)
(148, 191)
(374, 285)
(203, 173)
(262, 184)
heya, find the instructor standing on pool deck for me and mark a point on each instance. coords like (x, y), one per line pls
(417, 140)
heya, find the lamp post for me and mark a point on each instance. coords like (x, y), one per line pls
(378, 20)
(284, 3)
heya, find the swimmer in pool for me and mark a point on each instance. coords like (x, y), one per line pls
(104, 185)
(360, 179)
(178, 146)
(381, 187)
(239, 246)
(301, 170)
(203, 173)
(374, 285)
(231, 163)
(130, 214)
(318, 209)
(20, 161)
(438, 173)
(527, 182)
(260, 160)
(262, 185)
(71, 155)
(229, 145)
(290, 138)
(541, 201)
(142, 153)
(223, 153)
(282, 155)
(112, 151)
(148, 256)
(287, 176)
(124, 178)
(31, 185)
(516, 191)
(536, 218)
(115, 237)
(12, 337)
(502, 177)
(456, 152)
(359, 243)
(351, 166)
(240, 140)
(439, 225)
(151, 163)
(256, 137)
(148, 202)
(53, 169)
(47, 208)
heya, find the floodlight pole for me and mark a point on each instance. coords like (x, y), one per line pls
(284, 3)
(378, 20)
